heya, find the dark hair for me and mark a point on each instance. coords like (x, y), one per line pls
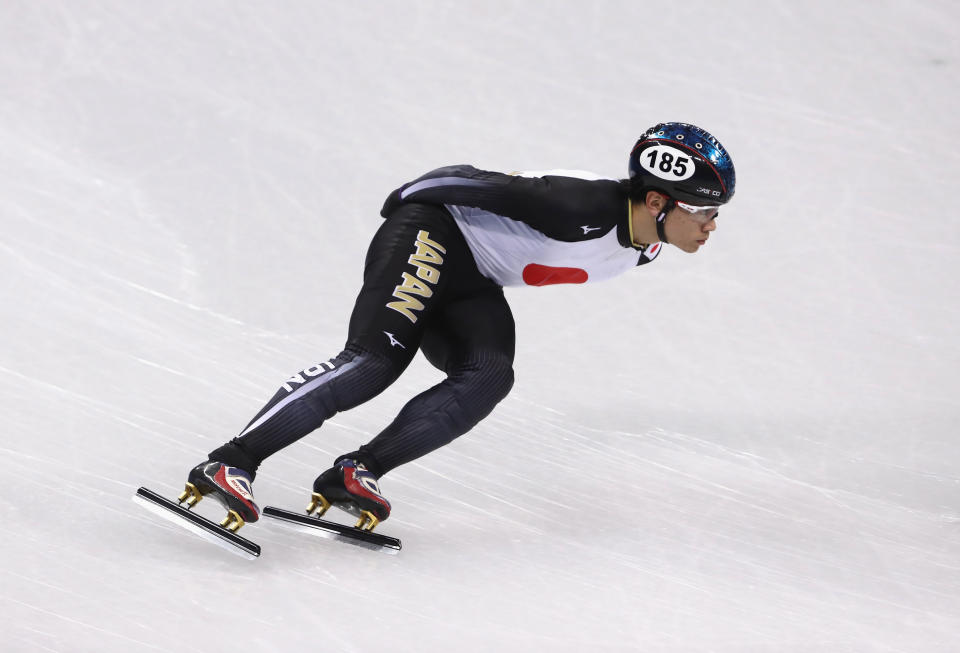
(635, 189)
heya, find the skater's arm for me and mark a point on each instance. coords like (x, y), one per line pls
(555, 205)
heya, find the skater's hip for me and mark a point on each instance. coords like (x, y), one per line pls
(427, 237)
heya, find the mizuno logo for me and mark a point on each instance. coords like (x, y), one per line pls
(393, 341)
(587, 229)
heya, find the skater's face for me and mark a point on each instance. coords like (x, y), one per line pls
(686, 227)
(689, 231)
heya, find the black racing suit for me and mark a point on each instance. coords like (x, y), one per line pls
(422, 290)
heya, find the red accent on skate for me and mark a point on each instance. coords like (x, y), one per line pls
(354, 486)
(546, 275)
(221, 479)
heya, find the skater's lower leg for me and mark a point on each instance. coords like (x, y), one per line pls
(305, 401)
(446, 411)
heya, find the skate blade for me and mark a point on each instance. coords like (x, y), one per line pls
(208, 530)
(333, 531)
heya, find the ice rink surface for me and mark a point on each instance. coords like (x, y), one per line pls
(751, 449)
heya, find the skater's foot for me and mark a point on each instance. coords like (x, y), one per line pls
(231, 486)
(350, 486)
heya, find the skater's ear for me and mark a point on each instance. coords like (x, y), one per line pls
(655, 202)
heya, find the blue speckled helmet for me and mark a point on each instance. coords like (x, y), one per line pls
(684, 162)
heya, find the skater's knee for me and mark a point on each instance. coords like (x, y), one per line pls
(340, 383)
(374, 363)
(366, 375)
(486, 378)
(498, 373)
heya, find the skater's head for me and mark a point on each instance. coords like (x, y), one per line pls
(680, 175)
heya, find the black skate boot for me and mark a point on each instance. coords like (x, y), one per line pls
(231, 486)
(350, 486)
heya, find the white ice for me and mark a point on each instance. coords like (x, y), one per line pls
(750, 449)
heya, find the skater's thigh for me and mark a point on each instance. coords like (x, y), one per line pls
(467, 326)
(406, 276)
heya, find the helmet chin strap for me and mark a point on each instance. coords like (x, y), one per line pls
(662, 218)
